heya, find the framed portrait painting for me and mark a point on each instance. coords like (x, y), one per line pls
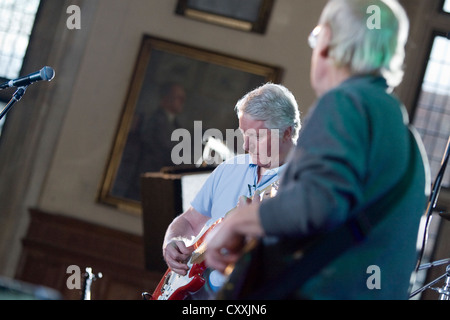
(176, 95)
(247, 15)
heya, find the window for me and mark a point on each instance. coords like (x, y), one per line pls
(16, 23)
(432, 117)
(432, 120)
(446, 7)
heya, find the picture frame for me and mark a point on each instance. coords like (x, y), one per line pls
(212, 83)
(248, 15)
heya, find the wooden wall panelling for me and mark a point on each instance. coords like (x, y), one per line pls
(54, 242)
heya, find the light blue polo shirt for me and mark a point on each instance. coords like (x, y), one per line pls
(220, 193)
(231, 179)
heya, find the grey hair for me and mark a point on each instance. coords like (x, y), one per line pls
(275, 105)
(368, 50)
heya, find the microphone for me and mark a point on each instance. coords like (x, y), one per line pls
(46, 73)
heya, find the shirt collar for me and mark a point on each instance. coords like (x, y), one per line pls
(272, 171)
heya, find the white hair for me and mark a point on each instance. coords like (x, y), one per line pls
(275, 105)
(367, 50)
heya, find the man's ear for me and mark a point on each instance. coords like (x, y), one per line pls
(287, 135)
(324, 41)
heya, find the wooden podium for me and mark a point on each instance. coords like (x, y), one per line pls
(165, 195)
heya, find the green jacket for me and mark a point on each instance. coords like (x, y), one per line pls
(352, 151)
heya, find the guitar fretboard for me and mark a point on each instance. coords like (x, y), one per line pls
(198, 255)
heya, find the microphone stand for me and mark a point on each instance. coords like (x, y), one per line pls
(89, 278)
(445, 291)
(15, 98)
(434, 197)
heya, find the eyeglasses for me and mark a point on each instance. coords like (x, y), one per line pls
(312, 39)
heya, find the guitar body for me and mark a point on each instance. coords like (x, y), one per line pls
(177, 287)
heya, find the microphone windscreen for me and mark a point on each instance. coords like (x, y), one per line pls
(47, 73)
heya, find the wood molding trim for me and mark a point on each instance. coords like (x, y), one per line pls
(54, 242)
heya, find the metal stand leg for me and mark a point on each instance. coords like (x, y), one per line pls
(444, 292)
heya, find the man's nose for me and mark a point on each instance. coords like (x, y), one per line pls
(246, 144)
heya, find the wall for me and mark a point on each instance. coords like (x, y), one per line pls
(55, 146)
(98, 95)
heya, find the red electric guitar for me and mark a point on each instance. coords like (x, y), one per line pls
(177, 287)
(174, 286)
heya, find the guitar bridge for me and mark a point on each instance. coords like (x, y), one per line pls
(166, 280)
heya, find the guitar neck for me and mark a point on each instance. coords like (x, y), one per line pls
(197, 256)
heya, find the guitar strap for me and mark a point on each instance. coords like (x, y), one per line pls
(322, 250)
